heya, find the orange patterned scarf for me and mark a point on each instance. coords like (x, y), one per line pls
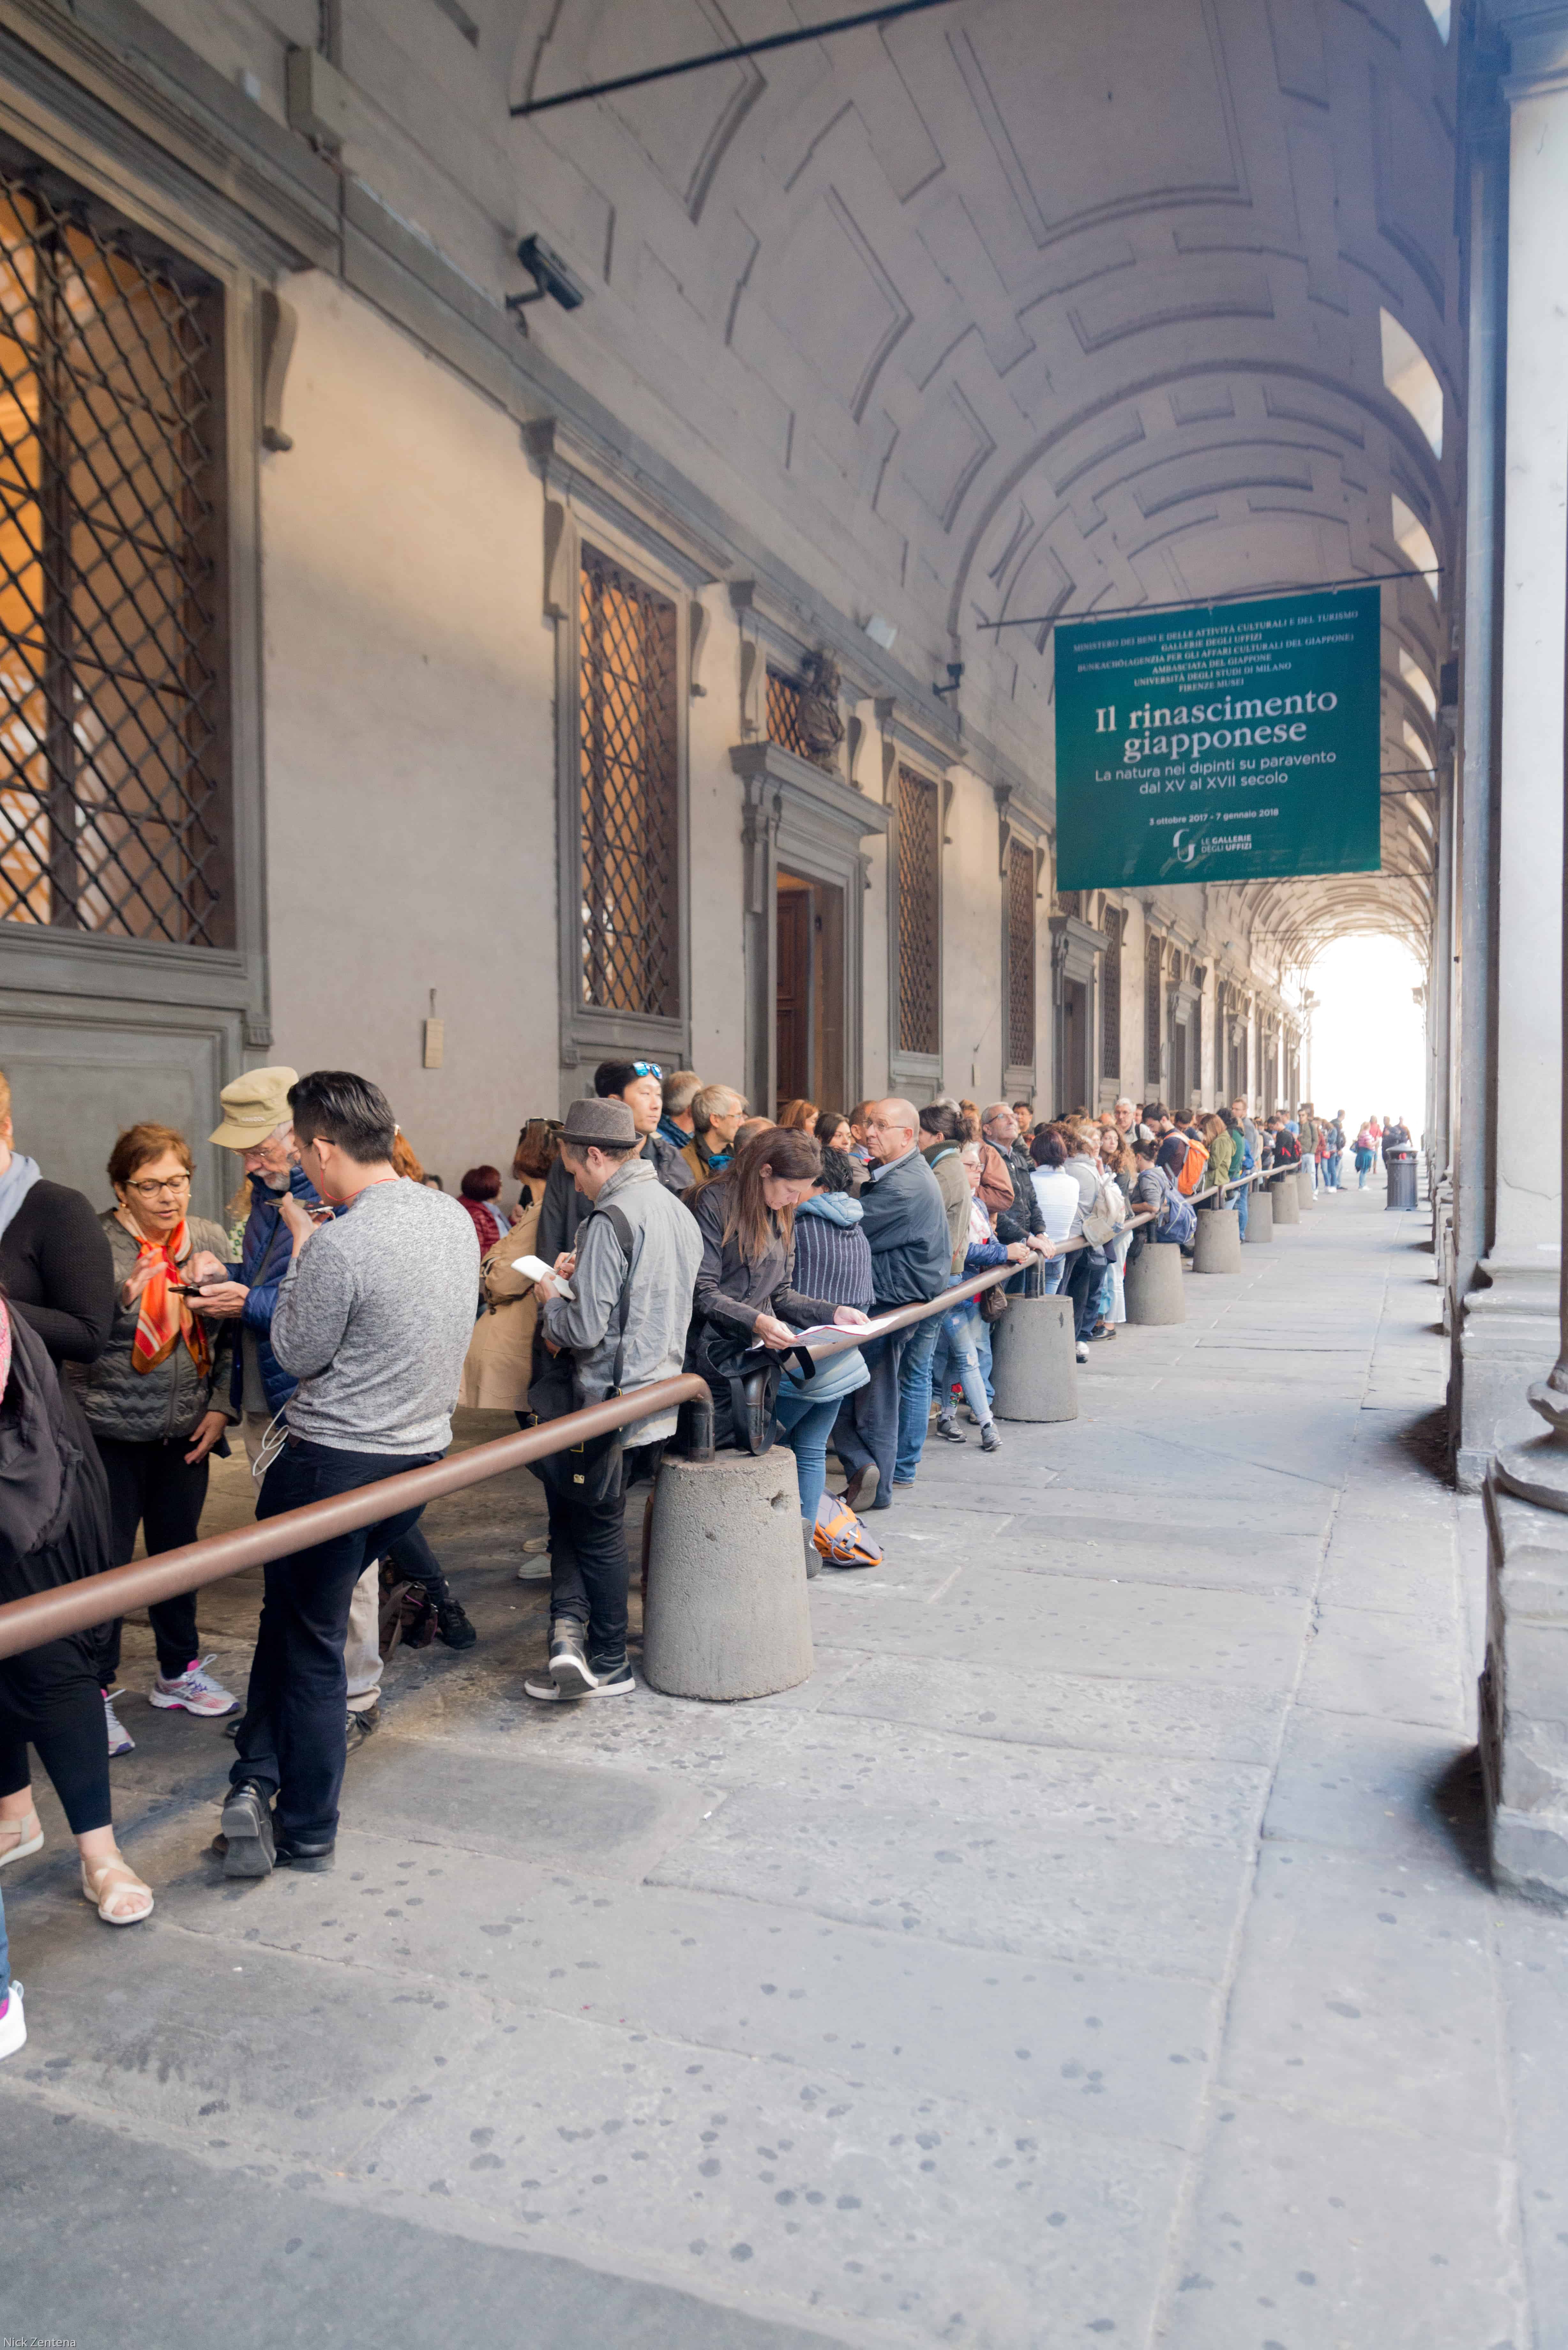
(165, 1318)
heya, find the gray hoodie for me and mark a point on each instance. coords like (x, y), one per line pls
(667, 1249)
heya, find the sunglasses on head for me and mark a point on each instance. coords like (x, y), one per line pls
(647, 1069)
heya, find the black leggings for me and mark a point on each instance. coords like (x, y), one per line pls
(150, 1486)
(50, 1699)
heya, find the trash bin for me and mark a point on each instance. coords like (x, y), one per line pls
(1401, 1166)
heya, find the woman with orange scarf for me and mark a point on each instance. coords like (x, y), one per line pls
(158, 1397)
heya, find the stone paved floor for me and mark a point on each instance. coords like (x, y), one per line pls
(1096, 1948)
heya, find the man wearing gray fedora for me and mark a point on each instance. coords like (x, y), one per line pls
(631, 1278)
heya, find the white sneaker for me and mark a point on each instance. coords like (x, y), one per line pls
(13, 2024)
(120, 1741)
(1083, 1350)
(192, 1691)
(535, 1564)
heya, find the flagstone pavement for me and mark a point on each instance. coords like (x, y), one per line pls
(1098, 1949)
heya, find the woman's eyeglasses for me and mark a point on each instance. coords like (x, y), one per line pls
(175, 1185)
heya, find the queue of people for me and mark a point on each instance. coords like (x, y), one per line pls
(657, 1227)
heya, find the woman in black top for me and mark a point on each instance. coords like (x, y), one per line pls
(55, 1264)
(55, 1531)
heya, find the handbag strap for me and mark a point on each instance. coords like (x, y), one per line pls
(622, 1229)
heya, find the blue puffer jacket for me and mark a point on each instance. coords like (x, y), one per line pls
(265, 1256)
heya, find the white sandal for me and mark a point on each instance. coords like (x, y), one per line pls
(110, 1900)
(29, 1835)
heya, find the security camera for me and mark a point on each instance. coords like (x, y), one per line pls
(550, 275)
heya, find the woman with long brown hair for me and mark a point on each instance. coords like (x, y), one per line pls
(747, 1294)
(798, 1116)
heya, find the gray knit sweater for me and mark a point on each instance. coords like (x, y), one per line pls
(373, 1319)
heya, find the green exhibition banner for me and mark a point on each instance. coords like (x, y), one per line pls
(1219, 742)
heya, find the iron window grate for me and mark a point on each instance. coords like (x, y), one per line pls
(784, 713)
(1111, 997)
(113, 769)
(629, 800)
(920, 915)
(1020, 955)
(1153, 1036)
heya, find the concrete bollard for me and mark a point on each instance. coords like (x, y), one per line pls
(1260, 1217)
(1304, 1191)
(1287, 1201)
(727, 1614)
(1034, 1364)
(1154, 1285)
(1219, 1246)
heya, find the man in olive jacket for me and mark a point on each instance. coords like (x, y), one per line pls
(905, 1223)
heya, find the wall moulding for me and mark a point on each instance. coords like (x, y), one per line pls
(572, 475)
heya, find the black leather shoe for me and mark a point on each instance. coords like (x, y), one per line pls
(315, 1857)
(246, 1834)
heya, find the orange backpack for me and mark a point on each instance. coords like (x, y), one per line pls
(1191, 1175)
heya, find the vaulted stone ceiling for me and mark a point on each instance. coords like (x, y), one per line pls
(1038, 307)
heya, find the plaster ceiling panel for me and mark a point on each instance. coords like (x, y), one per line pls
(1214, 287)
(943, 452)
(684, 126)
(1206, 472)
(1296, 29)
(1119, 107)
(830, 295)
(1412, 163)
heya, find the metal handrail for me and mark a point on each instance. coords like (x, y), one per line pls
(96, 1599)
(99, 1599)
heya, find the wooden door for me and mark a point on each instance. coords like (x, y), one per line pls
(792, 1002)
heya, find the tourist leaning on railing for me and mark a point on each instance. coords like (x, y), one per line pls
(958, 1348)
(832, 1261)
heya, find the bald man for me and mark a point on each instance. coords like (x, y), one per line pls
(905, 1223)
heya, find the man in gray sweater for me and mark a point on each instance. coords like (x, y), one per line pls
(624, 1325)
(373, 1318)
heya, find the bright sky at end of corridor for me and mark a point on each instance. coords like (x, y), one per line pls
(1368, 1045)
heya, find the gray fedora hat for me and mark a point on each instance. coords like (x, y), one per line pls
(610, 1123)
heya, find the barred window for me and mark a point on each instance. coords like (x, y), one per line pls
(1153, 1027)
(1020, 955)
(114, 787)
(784, 713)
(1070, 902)
(920, 915)
(1111, 997)
(627, 793)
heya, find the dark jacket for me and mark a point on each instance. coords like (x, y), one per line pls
(906, 1224)
(267, 1252)
(564, 1206)
(732, 1289)
(1017, 1222)
(151, 1407)
(56, 1269)
(54, 1496)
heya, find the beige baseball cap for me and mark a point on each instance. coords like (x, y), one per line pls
(254, 1107)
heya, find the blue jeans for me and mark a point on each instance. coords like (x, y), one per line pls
(962, 1331)
(1243, 1199)
(915, 1395)
(805, 1425)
